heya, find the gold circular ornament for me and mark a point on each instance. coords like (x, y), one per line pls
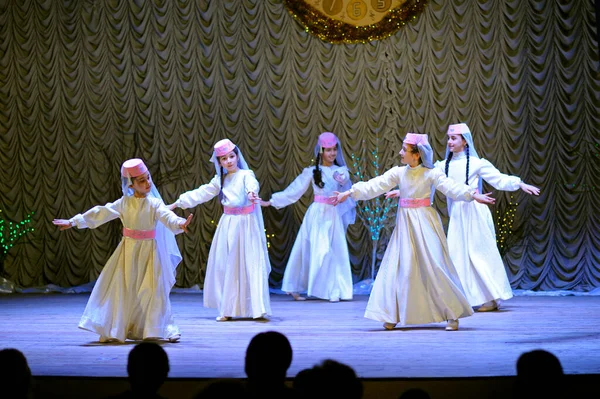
(353, 21)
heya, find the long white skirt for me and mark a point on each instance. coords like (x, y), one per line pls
(319, 264)
(237, 272)
(416, 282)
(130, 299)
(474, 252)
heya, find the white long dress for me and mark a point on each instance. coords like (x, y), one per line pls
(471, 232)
(130, 299)
(416, 282)
(238, 267)
(319, 263)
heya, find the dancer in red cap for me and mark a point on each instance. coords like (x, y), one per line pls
(130, 299)
(319, 263)
(416, 282)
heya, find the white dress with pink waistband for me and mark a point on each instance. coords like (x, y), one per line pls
(416, 282)
(319, 264)
(130, 299)
(238, 267)
(471, 232)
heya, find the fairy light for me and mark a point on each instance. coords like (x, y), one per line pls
(504, 224)
(11, 232)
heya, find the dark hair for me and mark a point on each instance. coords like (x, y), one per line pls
(239, 163)
(450, 157)
(317, 175)
(415, 150)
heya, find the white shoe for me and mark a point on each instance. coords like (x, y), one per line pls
(175, 338)
(223, 318)
(488, 307)
(452, 325)
(297, 297)
(334, 300)
(389, 326)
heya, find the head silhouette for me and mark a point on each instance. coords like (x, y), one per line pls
(15, 375)
(147, 367)
(268, 356)
(330, 379)
(539, 374)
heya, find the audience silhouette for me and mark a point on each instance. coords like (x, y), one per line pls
(330, 379)
(15, 375)
(268, 357)
(147, 370)
(539, 375)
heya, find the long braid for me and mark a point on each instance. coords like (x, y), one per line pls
(467, 177)
(222, 182)
(317, 173)
(448, 162)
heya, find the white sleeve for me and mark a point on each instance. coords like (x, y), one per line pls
(98, 215)
(496, 179)
(376, 186)
(200, 195)
(450, 188)
(294, 191)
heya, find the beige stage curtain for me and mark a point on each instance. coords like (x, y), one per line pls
(86, 84)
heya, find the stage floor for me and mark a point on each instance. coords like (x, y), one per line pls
(44, 328)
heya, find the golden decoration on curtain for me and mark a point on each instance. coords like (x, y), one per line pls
(353, 21)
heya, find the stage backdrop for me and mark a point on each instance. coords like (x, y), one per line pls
(86, 84)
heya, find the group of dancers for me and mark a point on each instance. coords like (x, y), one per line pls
(424, 276)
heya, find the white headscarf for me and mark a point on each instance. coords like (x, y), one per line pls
(346, 209)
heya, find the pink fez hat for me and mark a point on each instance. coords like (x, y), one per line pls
(223, 147)
(327, 140)
(416, 138)
(459, 128)
(133, 168)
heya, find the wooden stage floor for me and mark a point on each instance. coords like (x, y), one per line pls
(44, 328)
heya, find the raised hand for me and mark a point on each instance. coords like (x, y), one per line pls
(63, 224)
(484, 198)
(185, 224)
(529, 189)
(392, 194)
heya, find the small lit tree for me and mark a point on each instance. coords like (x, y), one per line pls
(10, 233)
(374, 213)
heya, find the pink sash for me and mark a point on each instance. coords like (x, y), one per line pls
(139, 234)
(414, 202)
(243, 210)
(324, 200)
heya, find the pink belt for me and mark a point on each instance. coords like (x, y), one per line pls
(139, 234)
(414, 202)
(324, 200)
(243, 210)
